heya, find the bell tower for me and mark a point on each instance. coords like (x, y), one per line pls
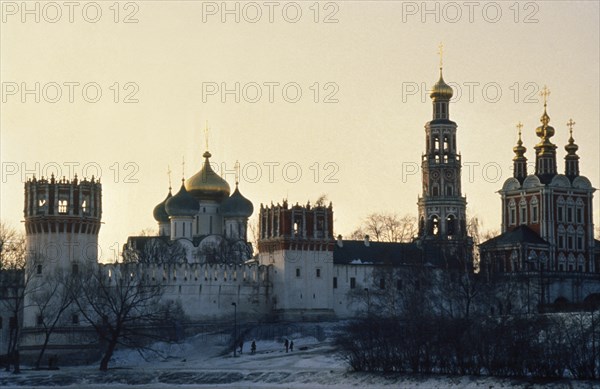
(442, 208)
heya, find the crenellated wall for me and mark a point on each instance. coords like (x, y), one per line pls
(206, 291)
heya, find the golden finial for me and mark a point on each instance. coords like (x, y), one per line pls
(206, 135)
(441, 53)
(519, 127)
(169, 174)
(570, 124)
(237, 172)
(545, 93)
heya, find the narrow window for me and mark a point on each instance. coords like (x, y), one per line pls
(75, 319)
(560, 215)
(569, 215)
(318, 273)
(40, 320)
(580, 243)
(334, 283)
(297, 272)
(561, 242)
(534, 214)
(523, 215)
(579, 215)
(352, 282)
(570, 243)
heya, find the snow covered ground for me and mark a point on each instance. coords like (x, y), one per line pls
(203, 361)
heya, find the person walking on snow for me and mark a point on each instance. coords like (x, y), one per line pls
(287, 345)
(253, 347)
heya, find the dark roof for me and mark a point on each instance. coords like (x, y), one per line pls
(237, 205)
(442, 121)
(521, 234)
(379, 253)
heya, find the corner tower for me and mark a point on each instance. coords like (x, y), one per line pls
(442, 208)
(62, 222)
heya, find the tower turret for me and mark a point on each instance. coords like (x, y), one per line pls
(62, 222)
(545, 161)
(571, 159)
(519, 160)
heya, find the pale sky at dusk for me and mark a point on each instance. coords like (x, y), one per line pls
(369, 61)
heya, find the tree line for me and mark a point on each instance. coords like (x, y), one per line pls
(437, 322)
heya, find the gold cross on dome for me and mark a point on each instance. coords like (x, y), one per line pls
(237, 172)
(570, 124)
(545, 93)
(182, 167)
(169, 174)
(206, 135)
(520, 127)
(441, 53)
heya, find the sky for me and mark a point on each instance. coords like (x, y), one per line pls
(311, 98)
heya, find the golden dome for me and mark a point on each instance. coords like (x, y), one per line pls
(519, 149)
(441, 90)
(206, 184)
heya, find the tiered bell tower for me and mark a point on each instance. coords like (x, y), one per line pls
(442, 208)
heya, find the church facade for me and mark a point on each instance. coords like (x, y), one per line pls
(202, 257)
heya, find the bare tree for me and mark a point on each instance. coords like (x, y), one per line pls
(156, 251)
(13, 286)
(123, 306)
(53, 298)
(148, 231)
(387, 227)
(476, 232)
(321, 200)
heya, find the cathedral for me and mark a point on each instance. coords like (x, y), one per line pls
(202, 256)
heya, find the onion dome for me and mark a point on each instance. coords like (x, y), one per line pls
(519, 149)
(441, 90)
(571, 147)
(160, 213)
(182, 204)
(206, 184)
(237, 205)
(545, 132)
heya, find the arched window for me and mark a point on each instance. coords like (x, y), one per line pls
(535, 210)
(451, 225)
(435, 226)
(560, 209)
(523, 211)
(512, 213)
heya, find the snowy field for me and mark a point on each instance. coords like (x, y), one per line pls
(202, 361)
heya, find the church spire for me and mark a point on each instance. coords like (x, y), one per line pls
(519, 160)
(571, 159)
(441, 93)
(545, 163)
